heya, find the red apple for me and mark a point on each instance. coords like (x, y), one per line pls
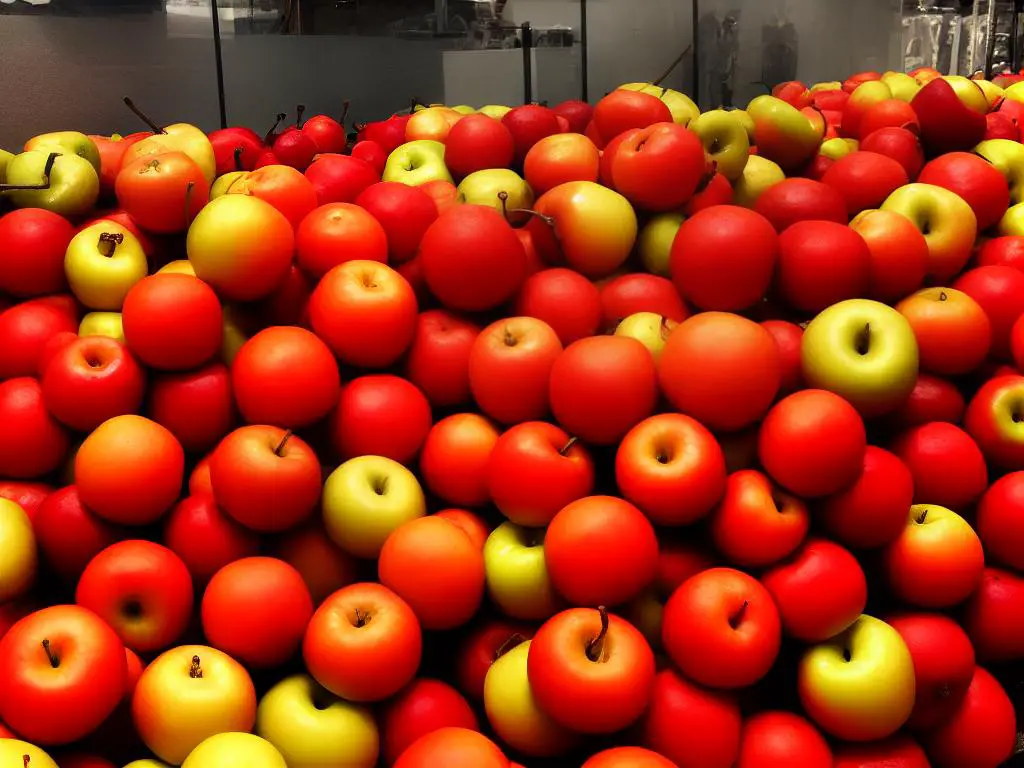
(973, 178)
(26, 328)
(372, 153)
(901, 145)
(947, 123)
(197, 407)
(482, 647)
(68, 534)
(235, 149)
(206, 539)
(404, 212)
(476, 143)
(35, 443)
(781, 740)
(578, 113)
(380, 416)
(793, 200)
(1005, 251)
(33, 242)
(1000, 521)
(28, 496)
(947, 465)
(992, 419)
(895, 752)
(529, 124)
(438, 358)
(565, 300)
(820, 264)
(865, 179)
(335, 233)
(999, 291)
(628, 294)
(656, 168)
(422, 707)
(898, 254)
(888, 113)
(992, 617)
(340, 178)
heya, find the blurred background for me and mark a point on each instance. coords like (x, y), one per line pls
(67, 63)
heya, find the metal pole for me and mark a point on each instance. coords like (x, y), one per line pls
(695, 59)
(527, 31)
(218, 57)
(584, 54)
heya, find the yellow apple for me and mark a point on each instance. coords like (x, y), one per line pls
(517, 575)
(179, 267)
(759, 174)
(969, 92)
(679, 104)
(497, 111)
(725, 139)
(650, 329)
(1012, 222)
(514, 713)
(365, 499)
(179, 137)
(13, 753)
(993, 93)
(655, 241)
(17, 551)
(431, 124)
(67, 142)
(830, 85)
(146, 764)
(859, 685)
(102, 324)
(464, 109)
(312, 728)
(837, 148)
(1007, 157)
(222, 184)
(234, 750)
(902, 85)
(947, 222)
(102, 263)
(486, 187)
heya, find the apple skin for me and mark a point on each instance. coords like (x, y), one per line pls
(896, 752)
(32, 247)
(952, 225)
(101, 270)
(821, 263)
(415, 163)
(795, 200)
(782, 739)
(866, 698)
(999, 291)
(725, 139)
(782, 132)
(655, 242)
(865, 179)
(947, 124)
(234, 750)
(367, 498)
(423, 706)
(517, 574)
(937, 561)
(19, 546)
(312, 728)
(832, 346)
(559, 159)
(1000, 521)
(974, 179)
(991, 420)
(947, 465)
(901, 145)
(759, 174)
(657, 168)
(73, 182)
(205, 538)
(992, 616)
(453, 748)
(38, 443)
(12, 749)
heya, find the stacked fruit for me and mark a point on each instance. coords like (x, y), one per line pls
(662, 439)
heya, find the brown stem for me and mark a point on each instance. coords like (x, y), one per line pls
(943, 296)
(673, 65)
(503, 199)
(300, 110)
(188, 199)
(195, 671)
(344, 111)
(26, 760)
(111, 239)
(50, 160)
(53, 657)
(362, 619)
(922, 517)
(564, 450)
(284, 441)
(238, 158)
(516, 638)
(143, 116)
(549, 220)
(269, 135)
(595, 648)
(736, 618)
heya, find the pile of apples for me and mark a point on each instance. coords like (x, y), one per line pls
(627, 436)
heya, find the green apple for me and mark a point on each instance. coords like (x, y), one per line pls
(650, 329)
(180, 137)
(514, 713)
(365, 499)
(745, 121)
(517, 576)
(67, 142)
(725, 140)
(5, 158)
(837, 147)
(417, 162)
(222, 184)
(864, 351)
(18, 545)
(679, 104)
(63, 183)
(655, 241)
(486, 188)
(1007, 157)
(828, 85)
(102, 324)
(312, 727)
(102, 263)
(784, 133)
(464, 109)
(234, 750)
(859, 685)
(902, 85)
(759, 174)
(497, 111)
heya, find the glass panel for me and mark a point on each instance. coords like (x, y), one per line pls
(70, 62)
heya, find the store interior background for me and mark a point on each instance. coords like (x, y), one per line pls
(68, 63)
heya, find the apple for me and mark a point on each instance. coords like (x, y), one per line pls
(564, 299)
(900, 144)
(31, 756)
(102, 263)
(628, 294)
(558, 159)
(777, 739)
(946, 220)
(340, 178)
(655, 240)
(656, 168)
(796, 200)
(431, 124)
(102, 324)
(951, 115)
(992, 420)
(759, 174)
(947, 465)
(863, 99)
(477, 143)
(380, 415)
(33, 242)
(889, 112)
(725, 140)
(234, 750)
(499, 188)
(517, 574)
(865, 179)
(1007, 157)
(37, 443)
(416, 163)
(320, 562)
(403, 212)
(19, 546)
(841, 682)
(422, 707)
(897, 750)
(682, 107)
(367, 498)
(64, 184)
(783, 133)
(898, 254)
(998, 520)
(179, 137)
(205, 538)
(363, 643)
(937, 562)
(820, 264)
(454, 748)
(974, 179)
(453, 462)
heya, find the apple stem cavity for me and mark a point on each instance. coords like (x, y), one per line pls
(268, 137)
(564, 450)
(922, 517)
(864, 339)
(45, 184)
(26, 760)
(516, 638)
(284, 441)
(736, 618)
(54, 659)
(108, 243)
(362, 619)
(195, 671)
(143, 116)
(595, 648)
(672, 66)
(300, 110)
(238, 159)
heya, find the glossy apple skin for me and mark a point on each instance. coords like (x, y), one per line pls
(563, 299)
(628, 294)
(454, 458)
(694, 727)
(982, 731)
(198, 407)
(954, 334)
(943, 665)
(335, 233)
(559, 159)
(362, 660)
(534, 470)
(973, 178)
(205, 538)
(628, 757)
(422, 707)
(990, 420)
(780, 739)
(454, 748)
(1006, 251)
(873, 511)
(944, 218)
(380, 415)
(992, 616)
(37, 442)
(1000, 521)
(901, 145)
(58, 704)
(403, 212)
(896, 752)
(163, 193)
(899, 254)
(865, 179)
(947, 465)
(699, 635)
(25, 329)
(999, 291)
(947, 124)
(570, 691)
(796, 199)
(820, 590)
(143, 590)
(33, 242)
(820, 264)
(658, 168)
(438, 357)
(340, 178)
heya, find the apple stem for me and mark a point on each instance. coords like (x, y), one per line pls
(344, 111)
(195, 671)
(503, 197)
(111, 239)
(510, 340)
(736, 618)
(300, 110)
(50, 160)
(284, 441)
(564, 450)
(943, 296)
(672, 66)
(922, 517)
(595, 648)
(54, 659)
(516, 638)
(26, 760)
(238, 159)
(142, 116)
(362, 619)
(269, 135)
